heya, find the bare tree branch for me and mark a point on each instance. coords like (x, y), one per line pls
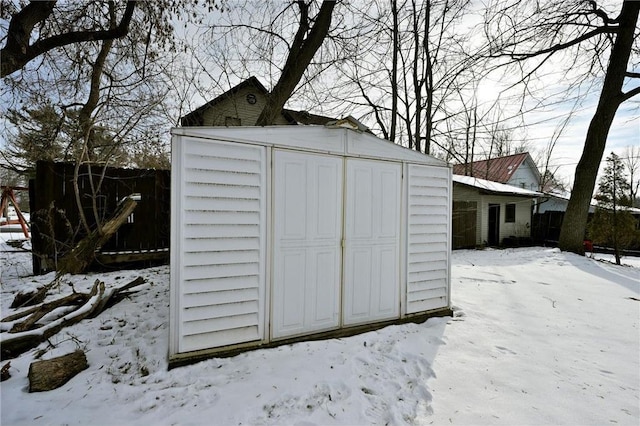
(558, 47)
(17, 52)
(631, 93)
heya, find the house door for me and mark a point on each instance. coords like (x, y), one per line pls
(307, 236)
(372, 241)
(494, 225)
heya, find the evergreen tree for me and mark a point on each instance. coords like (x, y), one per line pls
(612, 223)
(40, 134)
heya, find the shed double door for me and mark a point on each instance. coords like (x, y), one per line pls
(316, 285)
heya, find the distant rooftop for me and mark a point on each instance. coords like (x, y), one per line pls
(496, 169)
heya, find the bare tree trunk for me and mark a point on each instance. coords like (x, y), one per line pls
(394, 72)
(428, 80)
(417, 85)
(575, 219)
(300, 56)
(85, 124)
(632, 161)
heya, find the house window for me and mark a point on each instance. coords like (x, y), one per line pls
(510, 213)
(232, 121)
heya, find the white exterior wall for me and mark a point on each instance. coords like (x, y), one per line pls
(517, 229)
(218, 244)
(526, 176)
(278, 233)
(520, 228)
(429, 238)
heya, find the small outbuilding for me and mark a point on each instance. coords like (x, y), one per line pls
(490, 213)
(290, 233)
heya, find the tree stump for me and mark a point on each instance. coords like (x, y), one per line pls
(52, 373)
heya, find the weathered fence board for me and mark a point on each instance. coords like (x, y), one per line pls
(146, 230)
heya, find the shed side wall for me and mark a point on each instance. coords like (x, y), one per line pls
(222, 238)
(428, 250)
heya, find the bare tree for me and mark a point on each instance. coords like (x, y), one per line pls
(19, 48)
(108, 93)
(407, 70)
(306, 43)
(534, 33)
(631, 160)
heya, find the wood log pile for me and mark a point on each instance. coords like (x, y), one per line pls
(26, 329)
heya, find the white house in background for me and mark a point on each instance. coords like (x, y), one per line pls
(493, 200)
(285, 232)
(487, 213)
(517, 170)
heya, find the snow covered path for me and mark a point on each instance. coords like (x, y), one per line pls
(539, 337)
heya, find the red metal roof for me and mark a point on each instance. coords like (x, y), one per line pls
(496, 169)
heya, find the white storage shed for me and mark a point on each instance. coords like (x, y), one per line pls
(286, 233)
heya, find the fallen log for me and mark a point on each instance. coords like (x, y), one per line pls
(116, 295)
(42, 310)
(34, 297)
(29, 334)
(83, 254)
(30, 298)
(18, 343)
(52, 373)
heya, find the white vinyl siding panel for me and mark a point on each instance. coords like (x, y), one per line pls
(307, 235)
(222, 235)
(372, 241)
(429, 215)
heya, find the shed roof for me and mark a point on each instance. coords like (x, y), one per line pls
(494, 187)
(499, 169)
(340, 140)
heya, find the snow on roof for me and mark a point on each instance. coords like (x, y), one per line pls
(496, 187)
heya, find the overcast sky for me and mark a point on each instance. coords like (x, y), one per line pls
(539, 125)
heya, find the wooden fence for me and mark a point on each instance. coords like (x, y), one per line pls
(55, 217)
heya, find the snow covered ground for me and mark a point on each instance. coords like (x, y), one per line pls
(538, 337)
